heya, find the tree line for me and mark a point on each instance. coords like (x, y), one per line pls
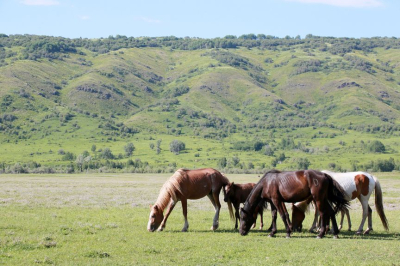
(37, 46)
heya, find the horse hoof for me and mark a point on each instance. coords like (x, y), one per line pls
(358, 233)
(335, 237)
(288, 236)
(319, 237)
(271, 235)
(366, 232)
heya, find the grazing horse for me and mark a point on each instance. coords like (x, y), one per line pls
(238, 193)
(188, 184)
(279, 187)
(358, 185)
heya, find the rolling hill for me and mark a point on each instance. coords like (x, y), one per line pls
(238, 104)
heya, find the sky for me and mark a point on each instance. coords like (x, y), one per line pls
(204, 19)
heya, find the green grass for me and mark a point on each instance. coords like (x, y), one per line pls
(101, 220)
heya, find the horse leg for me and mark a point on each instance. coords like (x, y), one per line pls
(348, 219)
(237, 216)
(214, 198)
(364, 204)
(283, 213)
(261, 219)
(287, 217)
(335, 229)
(168, 212)
(184, 211)
(272, 228)
(342, 213)
(314, 224)
(369, 220)
(324, 218)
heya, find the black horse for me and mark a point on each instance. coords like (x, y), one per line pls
(278, 187)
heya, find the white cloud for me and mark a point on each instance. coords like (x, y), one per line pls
(40, 2)
(343, 3)
(84, 17)
(148, 20)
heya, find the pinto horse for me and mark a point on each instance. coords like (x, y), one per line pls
(358, 185)
(188, 184)
(278, 187)
(238, 193)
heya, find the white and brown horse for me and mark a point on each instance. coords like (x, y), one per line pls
(358, 185)
(188, 184)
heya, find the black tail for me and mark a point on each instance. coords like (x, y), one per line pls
(336, 195)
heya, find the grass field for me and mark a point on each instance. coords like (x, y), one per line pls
(101, 220)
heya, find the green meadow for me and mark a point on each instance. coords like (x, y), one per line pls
(101, 219)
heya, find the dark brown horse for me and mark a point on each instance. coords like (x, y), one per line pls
(237, 194)
(278, 187)
(188, 184)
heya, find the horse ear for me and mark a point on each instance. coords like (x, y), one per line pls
(232, 183)
(241, 209)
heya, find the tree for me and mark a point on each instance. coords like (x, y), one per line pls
(176, 146)
(129, 148)
(158, 146)
(222, 162)
(303, 163)
(93, 148)
(79, 162)
(107, 154)
(258, 145)
(376, 146)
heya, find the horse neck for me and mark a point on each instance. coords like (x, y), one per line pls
(254, 198)
(166, 195)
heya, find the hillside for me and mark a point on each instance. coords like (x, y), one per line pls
(239, 104)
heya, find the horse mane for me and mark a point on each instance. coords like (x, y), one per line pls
(273, 171)
(169, 189)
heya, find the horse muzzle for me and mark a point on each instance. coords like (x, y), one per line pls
(242, 232)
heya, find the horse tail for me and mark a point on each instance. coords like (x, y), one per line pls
(225, 181)
(336, 195)
(379, 204)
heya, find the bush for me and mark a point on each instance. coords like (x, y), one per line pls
(376, 146)
(176, 146)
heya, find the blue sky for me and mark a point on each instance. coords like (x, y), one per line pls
(204, 19)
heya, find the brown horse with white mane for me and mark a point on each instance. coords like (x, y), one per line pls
(278, 187)
(238, 193)
(188, 184)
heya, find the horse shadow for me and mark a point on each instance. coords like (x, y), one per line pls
(300, 235)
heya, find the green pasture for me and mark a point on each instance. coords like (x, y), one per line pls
(101, 220)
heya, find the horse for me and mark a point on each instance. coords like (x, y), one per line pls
(188, 184)
(278, 187)
(358, 185)
(238, 193)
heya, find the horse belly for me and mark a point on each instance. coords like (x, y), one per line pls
(198, 190)
(295, 195)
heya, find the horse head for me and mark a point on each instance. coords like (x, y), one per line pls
(229, 191)
(297, 218)
(155, 218)
(246, 221)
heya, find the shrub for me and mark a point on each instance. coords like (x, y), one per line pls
(176, 146)
(376, 146)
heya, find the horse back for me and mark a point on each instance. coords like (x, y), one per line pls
(242, 191)
(198, 183)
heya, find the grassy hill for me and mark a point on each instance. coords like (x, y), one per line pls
(250, 105)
